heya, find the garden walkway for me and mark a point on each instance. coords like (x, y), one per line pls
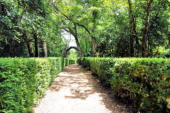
(75, 90)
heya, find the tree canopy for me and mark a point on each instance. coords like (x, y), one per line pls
(104, 28)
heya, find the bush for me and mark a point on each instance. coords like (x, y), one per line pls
(143, 81)
(23, 81)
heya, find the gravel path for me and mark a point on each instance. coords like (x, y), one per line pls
(75, 90)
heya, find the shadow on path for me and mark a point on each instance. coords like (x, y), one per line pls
(75, 90)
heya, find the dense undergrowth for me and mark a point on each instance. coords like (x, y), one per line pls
(23, 81)
(142, 82)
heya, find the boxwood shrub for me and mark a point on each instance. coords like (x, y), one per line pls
(145, 82)
(23, 81)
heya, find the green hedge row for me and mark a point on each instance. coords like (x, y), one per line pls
(145, 82)
(69, 61)
(23, 81)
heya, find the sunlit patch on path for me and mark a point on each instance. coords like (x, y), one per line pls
(75, 90)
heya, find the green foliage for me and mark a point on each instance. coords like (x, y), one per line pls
(106, 21)
(23, 81)
(22, 21)
(72, 54)
(142, 81)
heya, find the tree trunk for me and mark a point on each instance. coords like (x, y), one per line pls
(30, 50)
(93, 50)
(93, 38)
(133, 35)
(77, 41)
(29, 45)
(137, 40)
(146, 28)
(131, 18)
(131, 46)
(44, 44)
(36, 44)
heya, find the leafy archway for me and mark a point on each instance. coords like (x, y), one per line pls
(72, 47)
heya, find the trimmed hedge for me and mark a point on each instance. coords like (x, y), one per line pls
(23, 81)
(69, 61)
(145, 82)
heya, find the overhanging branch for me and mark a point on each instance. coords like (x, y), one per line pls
(67, 17)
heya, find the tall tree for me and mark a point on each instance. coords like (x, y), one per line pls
(145, 31)
(133, 35)
(93, 38)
